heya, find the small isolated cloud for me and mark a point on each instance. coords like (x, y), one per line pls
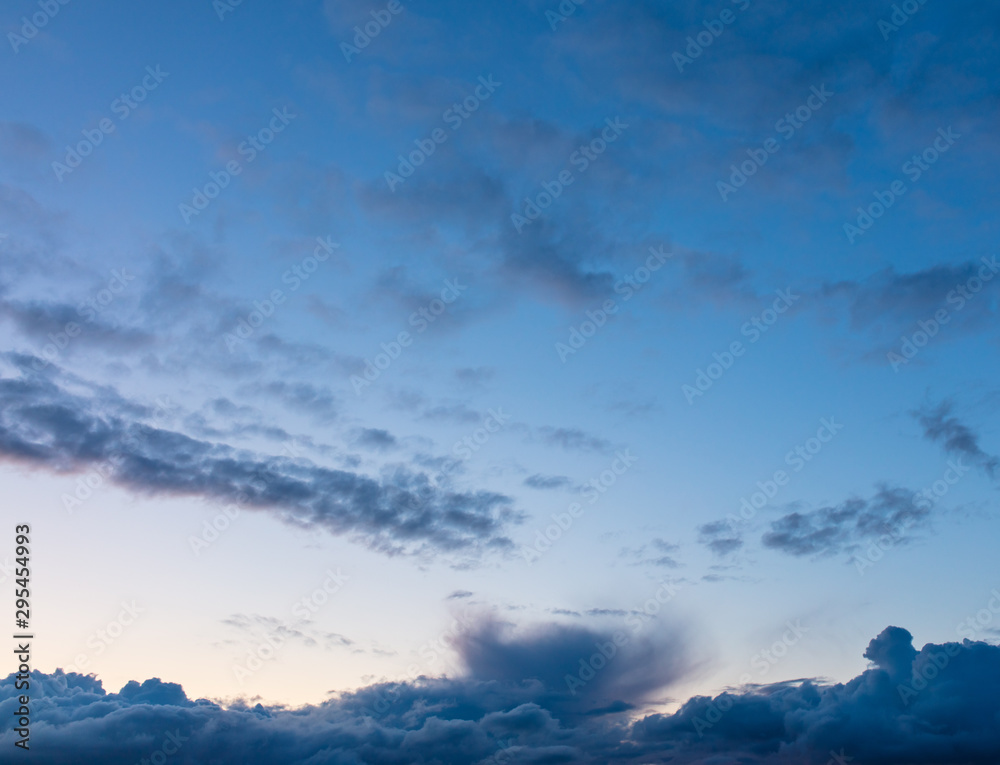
(571, 439)
(658, 552)
(278, 631)
(545, 482)
(375, 438)
(720, 537)
(475, 375)
(942, 427)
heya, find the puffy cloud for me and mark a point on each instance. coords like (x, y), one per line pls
(936, 706)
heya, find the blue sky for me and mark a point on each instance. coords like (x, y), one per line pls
(483, 327)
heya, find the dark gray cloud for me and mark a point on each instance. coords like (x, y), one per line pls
(941, 427)
(892, 511)
(375, 438)
(720, 537)
(475, 375)
(547, 654)
(571, 439)
(19, 139)
(888, 303)
(935, 706)
(539, 481)
(44, 424)
(40, 320)
(319, 402)
(459, 413)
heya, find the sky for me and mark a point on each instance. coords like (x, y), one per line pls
(532, 381)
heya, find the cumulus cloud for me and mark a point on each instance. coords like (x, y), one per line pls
(935, 706)
(65, 424)
(548, 654)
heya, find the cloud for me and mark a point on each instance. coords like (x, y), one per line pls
(957, 438)
(720, 537)
(375, 438)
(43, 423)
(571, 439)
(888, 304)
(475, 375)
(846, 526)
(255, 627)
(539, 481)
(658, 552)
(935, 706)
(548, 654)
(18, 139)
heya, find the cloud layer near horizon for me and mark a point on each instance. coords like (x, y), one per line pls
(936, 706)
